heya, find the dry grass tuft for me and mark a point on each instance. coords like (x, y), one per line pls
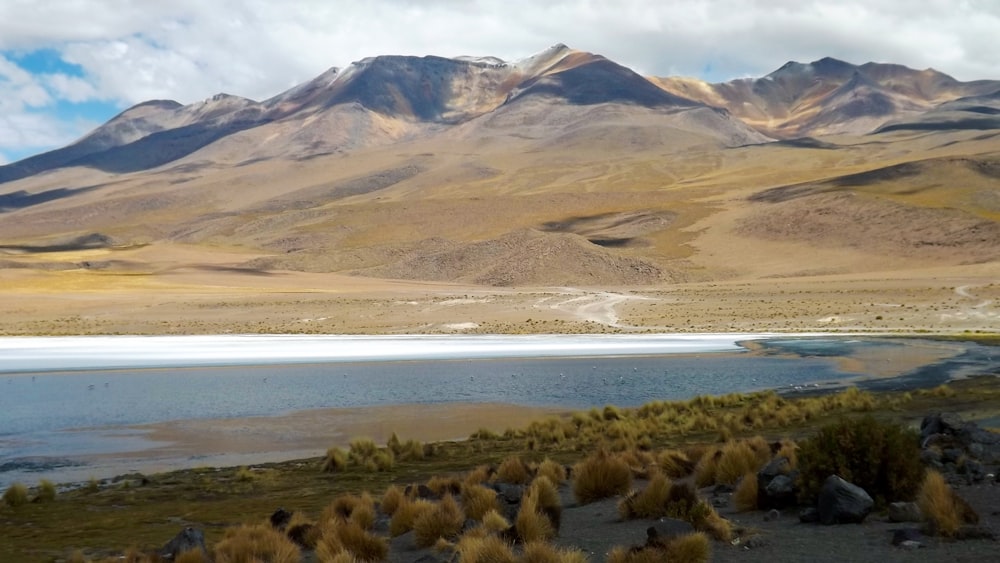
(488, 549)
(192, 556)
(443, 520)
(255, 543)
(360, 543)
(739, 458)
(599, 476)
(16, 495)
(553, 470)
(46, 491)
(478, 500)
(513, 470)
(651, 502)
(441, 486)
(530, 523)
(745, 495)
(479, 475)
(391, 499)
(494, 522)
(406, 514)
(689, 548)
(674, 463)
(944, 510)
(707, 468)
(541, 552)
(336, 460)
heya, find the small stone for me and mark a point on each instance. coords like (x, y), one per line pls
(906, 534)
(755, 541)
(809, 515)
(910, 544)
(772, 514)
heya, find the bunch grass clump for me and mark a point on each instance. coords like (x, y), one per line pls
(599, 476)
(513, 470)
(46, 491)
(255, 543)
(484, 549)
(941, 506)
(478, 500)
(16, 495)
(745, 494)
(651, 502)
(336, 460)
(443, 520)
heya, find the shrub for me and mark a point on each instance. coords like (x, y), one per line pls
(881, 458)
(600, 476)
(16, 495)
(252, 543)
(336, 460)
(46, 491)
(443, 520)
(513, 470)
(745, 495)
(651, 502)
(478, 500)
(944, 510)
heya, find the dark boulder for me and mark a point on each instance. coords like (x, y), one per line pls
(776, 484)
(188, 539)
(280, 518)
(841, 502)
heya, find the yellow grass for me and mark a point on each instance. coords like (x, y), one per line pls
(651, 502)
(599, 476)
(531, 524)
(941, 506)
(478, 500)
(488, 549)
(745, 495)
(443, 520)
(406, 514)
(513, 470)
(391, 499)
(253, 543)
(553, 470)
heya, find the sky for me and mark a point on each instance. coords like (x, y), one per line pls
(66, 66)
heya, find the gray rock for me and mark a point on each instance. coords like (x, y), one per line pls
(910, 544)
(776, 484)
(772, 514)
(809, 515)
(754, 542)
(841, 502)
(511, 494)
(188, 539)
(666, 528)
(906, 534)
(905, 512)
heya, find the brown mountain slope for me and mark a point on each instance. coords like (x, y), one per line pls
(828, 96)
(583, 174)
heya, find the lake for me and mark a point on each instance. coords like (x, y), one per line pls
(66, 401)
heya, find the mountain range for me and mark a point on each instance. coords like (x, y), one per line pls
(562, 168)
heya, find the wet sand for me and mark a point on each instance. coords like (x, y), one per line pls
(231, 442)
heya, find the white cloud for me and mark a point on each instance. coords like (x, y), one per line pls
(135, 50)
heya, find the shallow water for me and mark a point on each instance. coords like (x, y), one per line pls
(42, 412)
